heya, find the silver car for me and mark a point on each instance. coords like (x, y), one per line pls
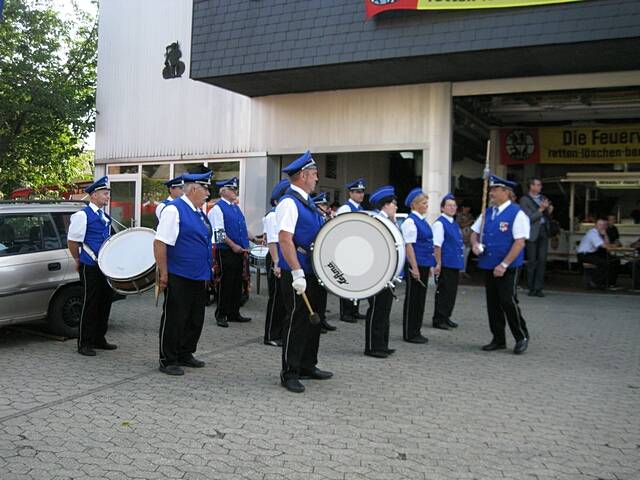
(37, 273)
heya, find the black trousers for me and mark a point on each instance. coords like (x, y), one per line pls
(96, 306)
(274, 320)
(182, 319)
(537, 260)
(446, 292)
(502, 303)
(301, 338)
(377, 323)
(230, 290)
(606, 267)
(348, 309)
(414, 301)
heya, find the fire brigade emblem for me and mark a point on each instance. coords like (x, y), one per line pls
(504, 226)
(520, 145)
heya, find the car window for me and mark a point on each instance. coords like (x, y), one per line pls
(62, 221)
(27, 233)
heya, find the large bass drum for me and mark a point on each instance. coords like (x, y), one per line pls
(127, 260)
(356, 255)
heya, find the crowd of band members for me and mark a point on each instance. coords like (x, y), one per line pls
(182, 249)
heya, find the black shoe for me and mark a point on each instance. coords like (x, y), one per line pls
(376, 354)
(87, 351)
(521, 346)
(389, 351)
(293, 385)
(327, 326)
(239, 319)
(192, 362)
(316, 374)
(532, 293)
(273, 343)
(171, 370)
(105, 346)
(348, 319)
(417, 339)
(441, 326)
(490, 347)
(221, 321)
(452, 324)
(539, 294)
(594, 286)
(359, 316)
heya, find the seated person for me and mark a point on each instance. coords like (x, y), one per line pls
(612, 231)
(593, 249)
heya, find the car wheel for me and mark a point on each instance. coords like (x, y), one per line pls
(65, 311)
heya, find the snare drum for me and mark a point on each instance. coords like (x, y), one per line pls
(127, 260)
(258, 256)
(356, 254)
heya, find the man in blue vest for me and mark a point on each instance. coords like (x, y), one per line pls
(349, 310)
(298, 224)
(88, 230)
(182, 249)
(448, 249)
(500, 255)
(175, 191)
(232, 244)
(322, 204)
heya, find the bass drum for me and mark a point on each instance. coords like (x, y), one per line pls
(127, 260)
(356, 255)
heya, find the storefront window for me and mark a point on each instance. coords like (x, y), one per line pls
(153, 192)
(121, 169)
(180, 168)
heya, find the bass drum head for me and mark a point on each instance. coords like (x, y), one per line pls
(355, 255)
(127, 254)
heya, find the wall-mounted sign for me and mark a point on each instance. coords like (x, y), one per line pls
(377, 6)
(597, 144)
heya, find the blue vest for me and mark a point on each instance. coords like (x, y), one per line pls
(96, 234)
(235, 226)
(166, 201)
(452, 252)
(423, 247)
(307, 226)
(354, 209)
(498, 239)
(190, 257)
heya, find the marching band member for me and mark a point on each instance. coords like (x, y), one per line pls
(322, 204)
(275, 307)
(232, 243)
(348, 309)
(182, 249)
(419, 246)
(88, 230)
(448, 248)
(506, 229)
(377, 322)
(175, 191)
(298, 224)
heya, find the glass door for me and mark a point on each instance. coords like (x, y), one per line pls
(124, 206)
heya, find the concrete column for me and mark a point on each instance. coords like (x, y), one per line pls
(253, 192)
(436, 163)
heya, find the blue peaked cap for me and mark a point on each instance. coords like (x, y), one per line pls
(100, 184)
(412, 195)
(303, 162)
(382, 195)
(495, 181)
(278, 191)
(175, 182)
(201, 178)
(358, 184)
(448, 196)
(228, 183)
(320, 198)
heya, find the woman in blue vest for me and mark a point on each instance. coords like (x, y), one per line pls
(182, 249)
(88, 230)
(448, 248)
(500, 255)
(232, 244)
(419, 246)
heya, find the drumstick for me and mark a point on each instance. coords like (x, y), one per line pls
(313, 316)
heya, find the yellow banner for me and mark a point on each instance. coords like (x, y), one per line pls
(461, 4)
(602, 144)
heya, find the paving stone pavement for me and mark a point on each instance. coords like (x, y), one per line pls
(567, 409)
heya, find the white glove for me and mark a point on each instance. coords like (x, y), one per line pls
(299, 283)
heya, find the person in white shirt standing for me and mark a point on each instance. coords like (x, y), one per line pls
(500, 255)
(175, 191)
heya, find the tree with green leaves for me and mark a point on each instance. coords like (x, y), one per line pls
(47, 94)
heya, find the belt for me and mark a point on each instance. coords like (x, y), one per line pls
(302, 251)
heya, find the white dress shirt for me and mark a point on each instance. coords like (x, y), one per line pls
(591, 242)
(521, 224)
(270, 226)
(169, 226)
(409, 228)
(287, 212)
(345, 208)
(78, 224)
(216, 217)
(161, 206)
(438, 230)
